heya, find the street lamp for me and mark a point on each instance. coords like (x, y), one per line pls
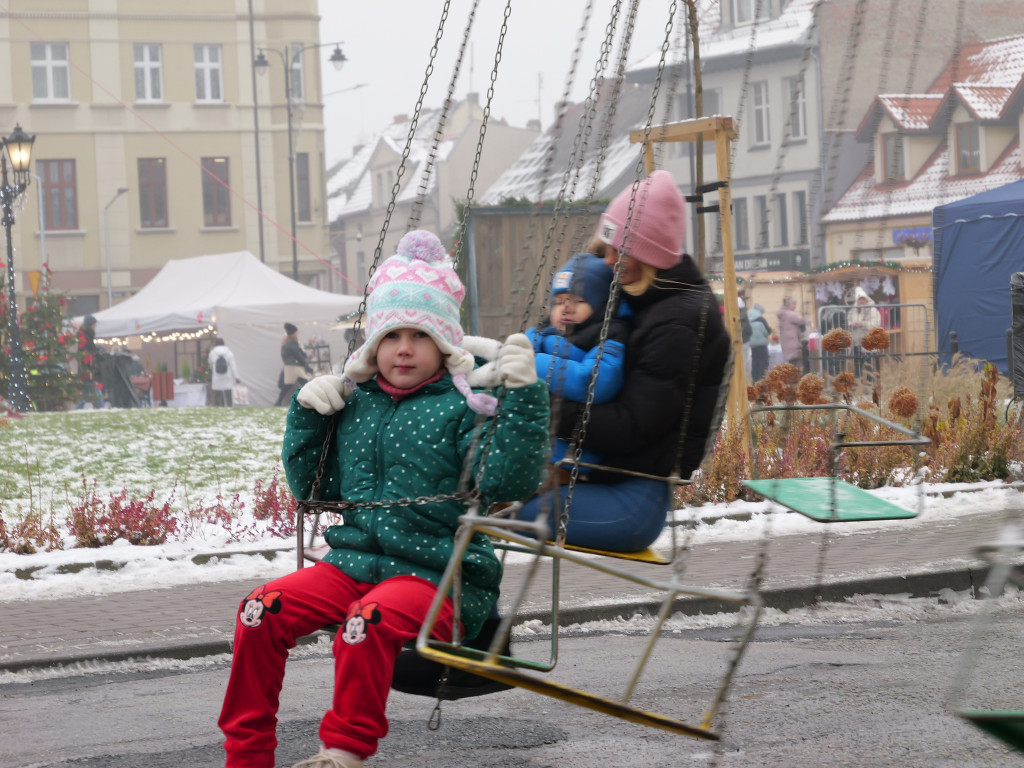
(106, 241)
(261, 64)
(19, 152)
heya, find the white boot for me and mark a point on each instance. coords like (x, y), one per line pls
(331, 758)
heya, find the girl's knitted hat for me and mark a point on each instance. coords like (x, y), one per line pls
(657, 225)
(416, 289)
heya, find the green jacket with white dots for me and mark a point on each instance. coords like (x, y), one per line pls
(392, 450)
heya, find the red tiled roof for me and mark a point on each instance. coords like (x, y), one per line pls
(866, 200)
(912, 112)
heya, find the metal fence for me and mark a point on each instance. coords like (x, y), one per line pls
(911, 338)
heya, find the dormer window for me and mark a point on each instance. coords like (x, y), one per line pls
(968, 149)
(892, 157)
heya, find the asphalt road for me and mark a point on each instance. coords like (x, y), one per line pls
(852, 693)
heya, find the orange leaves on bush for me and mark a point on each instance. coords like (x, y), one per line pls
(844, 383)
(836, 340)
(903, 402)
(875, 339)
(810, 389)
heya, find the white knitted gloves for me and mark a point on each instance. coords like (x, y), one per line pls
(516, 366)
(325, 394)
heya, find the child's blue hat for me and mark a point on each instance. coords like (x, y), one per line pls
(584, 275)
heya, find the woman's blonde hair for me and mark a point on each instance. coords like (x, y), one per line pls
(647, 277)
(647, 273)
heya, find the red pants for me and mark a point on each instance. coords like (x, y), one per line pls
(376, 621)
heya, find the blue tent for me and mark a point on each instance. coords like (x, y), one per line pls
(978, 243)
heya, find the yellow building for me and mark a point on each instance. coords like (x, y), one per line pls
(157, 99)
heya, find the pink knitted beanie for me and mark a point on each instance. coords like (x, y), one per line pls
(416, 289)
(656, 227)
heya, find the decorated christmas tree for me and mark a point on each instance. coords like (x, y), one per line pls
(50, 350)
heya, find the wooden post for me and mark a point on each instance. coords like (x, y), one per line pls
(720, 130)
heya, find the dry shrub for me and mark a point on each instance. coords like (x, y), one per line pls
(902, 403)
(844, 383)
(810, 389)
(876, 339)
(836, 340)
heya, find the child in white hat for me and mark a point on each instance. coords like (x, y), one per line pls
(407, 420)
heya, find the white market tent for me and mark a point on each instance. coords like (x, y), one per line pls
(247, 302)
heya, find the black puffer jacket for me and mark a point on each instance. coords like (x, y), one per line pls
(639, 429)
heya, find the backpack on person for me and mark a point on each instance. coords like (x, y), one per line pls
(221, 366)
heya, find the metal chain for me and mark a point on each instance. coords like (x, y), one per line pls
(461, 235)
(550, 152)
(398, 177)
(428, 168)
(581, 428)
(575, 158)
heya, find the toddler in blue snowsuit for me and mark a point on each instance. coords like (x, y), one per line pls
(566, 349)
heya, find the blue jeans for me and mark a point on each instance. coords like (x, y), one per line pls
(624, 517)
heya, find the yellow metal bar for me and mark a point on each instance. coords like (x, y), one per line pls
(561, 692)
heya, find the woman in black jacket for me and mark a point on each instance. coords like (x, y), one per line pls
(675, 360)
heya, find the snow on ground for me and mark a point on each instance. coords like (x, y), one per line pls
(74, 572)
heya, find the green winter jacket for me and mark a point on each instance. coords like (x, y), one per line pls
(385, 449)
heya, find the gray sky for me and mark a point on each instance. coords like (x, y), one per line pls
(388, 47)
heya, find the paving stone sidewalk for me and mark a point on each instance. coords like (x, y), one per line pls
(918, 559)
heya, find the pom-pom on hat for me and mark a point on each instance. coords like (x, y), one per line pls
(416, 289)
(657, 225)
(584, 275)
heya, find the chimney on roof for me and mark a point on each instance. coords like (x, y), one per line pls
(473, 98)
(561, 107)
(533, 125)
(356, 149)
(404, 118)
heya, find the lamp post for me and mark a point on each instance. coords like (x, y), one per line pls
(106, 244)
(19, 152)
(261, 64)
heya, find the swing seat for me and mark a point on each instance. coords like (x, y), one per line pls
(649, 555)
(1005, 725)
(812, 496)
(493, 671)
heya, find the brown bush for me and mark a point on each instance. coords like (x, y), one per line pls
(836, 340)
(875, 339)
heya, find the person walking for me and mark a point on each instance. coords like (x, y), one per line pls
(223, 372)
(760, 335)
(297, 370)
(791, 326)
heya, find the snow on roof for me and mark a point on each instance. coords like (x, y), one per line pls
(350, 187)
(525, 178)
(933, 186)
(912, 112)
(789, 27)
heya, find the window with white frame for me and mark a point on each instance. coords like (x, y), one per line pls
(780, 221)
(51, 75)
(761, 133)
(797, 109)
(148, 72)
(761, 219)
(743, 11)
(968, 148)
(60, 193)
(800, 212)
(209, 73)
(892, 157)
(739, 220)
(298, 83)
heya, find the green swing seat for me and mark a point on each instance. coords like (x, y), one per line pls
(1005, 725)
(813, 497)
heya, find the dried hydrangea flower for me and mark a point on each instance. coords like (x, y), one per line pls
(836, 340)
(875, 339)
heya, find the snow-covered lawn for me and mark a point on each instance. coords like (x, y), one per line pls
(200, 453)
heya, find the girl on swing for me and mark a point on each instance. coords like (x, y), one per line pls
(675, 314)
(403, 432)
